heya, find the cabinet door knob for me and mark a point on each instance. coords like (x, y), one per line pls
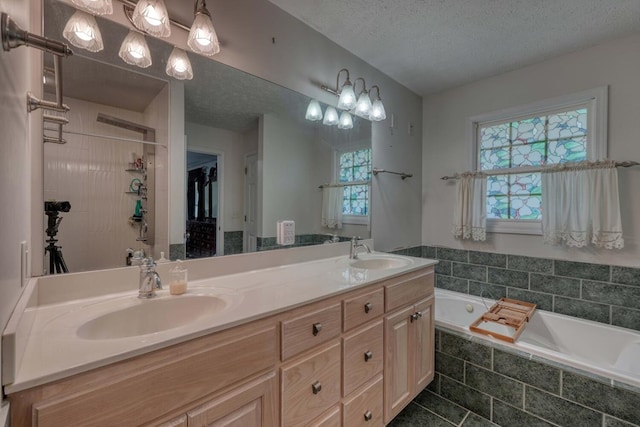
(368, 415)
(316, 387)
(368, 356)
(367, 307)
(317, 327)
(416, 315)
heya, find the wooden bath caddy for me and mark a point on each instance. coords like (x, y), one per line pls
(504, 314)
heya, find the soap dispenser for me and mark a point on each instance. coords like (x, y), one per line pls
(178, 284)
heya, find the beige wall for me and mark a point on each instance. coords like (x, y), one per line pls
(446, 146)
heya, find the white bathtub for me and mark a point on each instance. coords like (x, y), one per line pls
(606, 351)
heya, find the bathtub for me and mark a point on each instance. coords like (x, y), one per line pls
(584, 346)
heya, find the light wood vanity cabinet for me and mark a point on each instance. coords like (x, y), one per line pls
(350, 360)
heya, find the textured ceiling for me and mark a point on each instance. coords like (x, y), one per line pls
(432, 45)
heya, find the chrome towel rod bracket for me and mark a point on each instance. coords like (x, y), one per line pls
(403, 175)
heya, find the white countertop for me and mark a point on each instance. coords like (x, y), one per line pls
(53, 349)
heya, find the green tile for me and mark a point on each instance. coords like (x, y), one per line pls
(414, 415)
(429, 252)
(614, 422)
(443, 267)
(560, 411)
(496, 385)
(530, 372)
(458, 255)
(487, 290)
(625, 317)
(582, 309)
(582, 270)
(620, 403)
(543, 301)
(474, 420)
(622, 295)
(511, 278)
(625, 275)
(488, 258)
(449, 366)
(441, 406)
(461, 348)
(470, 271)
(525, 263)
(556, 285)
(465, 396)
(508, 416)
(452, 283)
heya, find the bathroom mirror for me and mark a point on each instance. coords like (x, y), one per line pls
(251, 160)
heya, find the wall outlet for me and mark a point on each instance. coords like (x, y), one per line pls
(286, 232)
(24, 262)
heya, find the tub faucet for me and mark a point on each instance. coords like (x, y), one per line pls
(149, 279)
(355, 244)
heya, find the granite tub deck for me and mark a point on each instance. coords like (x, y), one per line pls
(482, 382)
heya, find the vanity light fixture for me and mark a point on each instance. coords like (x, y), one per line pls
(202, 36)
(82, 31)
(314, 111)
(178, 65)
(97, 7)
(331, 116)
(151, 16)
(377, 109)
(363, 105)
(135, 51)
(346, 121)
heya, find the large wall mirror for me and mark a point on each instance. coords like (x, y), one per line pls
(251, 159)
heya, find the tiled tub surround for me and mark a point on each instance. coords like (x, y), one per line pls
(602, 293)
(480, 381)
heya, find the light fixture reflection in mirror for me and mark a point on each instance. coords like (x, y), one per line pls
(178, 65)
(347, 98)
(97, 7)
(346, 121)
(202, 36)
(135, 51)
(152, 17)
(363, 107)
(377, 109)
(331, 117)
(82, 31)
(314, 111)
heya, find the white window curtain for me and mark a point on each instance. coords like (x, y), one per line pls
(332, 206)
(580, 204)
(470, 213)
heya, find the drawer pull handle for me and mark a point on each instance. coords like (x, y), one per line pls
(367, 307)
(316, 387)
(317, 327)
(368, 415)
(368, 356)
(416, 315)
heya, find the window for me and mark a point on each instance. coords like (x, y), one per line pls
(512, 146)
(354, 172)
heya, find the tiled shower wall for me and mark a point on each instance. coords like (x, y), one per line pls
(598, 292)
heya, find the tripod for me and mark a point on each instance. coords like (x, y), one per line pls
(56, 260)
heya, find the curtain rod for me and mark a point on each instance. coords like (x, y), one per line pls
(403, 175)
(115, 138)
(330, 185)
(624, 164)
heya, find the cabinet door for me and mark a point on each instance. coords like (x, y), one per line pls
(250, 405)
(424, 348)
(398, 360)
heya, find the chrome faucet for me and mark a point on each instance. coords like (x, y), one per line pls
(149, 279)
(355, 244)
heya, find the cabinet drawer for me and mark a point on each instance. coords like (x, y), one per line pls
(409, 290)
(365, 408)
(332, 418)
(361, 309)
(362, 356)
(310, 386)
(308, 330)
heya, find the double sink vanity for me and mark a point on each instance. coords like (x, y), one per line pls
(308, 337)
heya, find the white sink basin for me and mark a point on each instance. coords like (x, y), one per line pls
(151, 316)
(379, 262)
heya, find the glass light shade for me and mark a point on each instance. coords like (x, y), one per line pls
(346, 122)
(331, 117)
(178, 65)
(363, 106)
(202, 36)
(82, 31)
(347, 98)
(97, 7)
(152, 17)
(377, 111)
(135, 51)
(314, 112)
